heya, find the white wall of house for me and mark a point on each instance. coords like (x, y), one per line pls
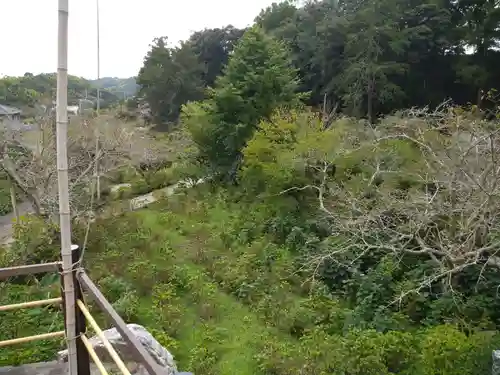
(73, 110)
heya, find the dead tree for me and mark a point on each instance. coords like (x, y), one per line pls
(32, 167)
(435, 197)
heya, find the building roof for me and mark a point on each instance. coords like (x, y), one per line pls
(6, 110)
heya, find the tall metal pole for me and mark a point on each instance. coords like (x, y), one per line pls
(96, 164)
(98, 59)
(62, 177)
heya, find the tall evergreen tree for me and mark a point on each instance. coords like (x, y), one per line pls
(169, 78)
(372, 56)
(259, 78)
(212, 47)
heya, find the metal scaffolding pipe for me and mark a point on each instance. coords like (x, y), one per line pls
(112, 352)
(24, 305)
(22, 340)
(93, 354)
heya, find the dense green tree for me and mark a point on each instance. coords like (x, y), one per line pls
(373, 57)
(479, 27)
(172, 77)
(279, 20)
(169, 78)
(212, 48)
(315, 41)
(258, 79)
(154, 76)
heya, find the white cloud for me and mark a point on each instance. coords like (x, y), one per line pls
(29, 31)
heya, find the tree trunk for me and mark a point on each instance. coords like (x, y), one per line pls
(479, 98)
(481, 52)
(370, 103)
(13, 201)
(30, 194)
(324, 109)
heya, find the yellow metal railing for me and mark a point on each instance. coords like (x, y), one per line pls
(24, 305)
(22, 340)
(84, 348)
(24, 270)
(93, 354)
(112, 352)
(138, 351)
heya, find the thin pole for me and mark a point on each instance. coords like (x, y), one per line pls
(25, 305)
(96, 164)
(93, 354)
(23, 340)
(62, 178)
(98, 59)
(112, 352)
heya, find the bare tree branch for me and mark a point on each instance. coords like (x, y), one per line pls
(429, 187)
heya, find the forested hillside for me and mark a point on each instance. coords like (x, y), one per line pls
(365, 58)
(28, 90)
(121, 87)
(349, 221)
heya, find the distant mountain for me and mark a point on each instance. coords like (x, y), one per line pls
(30, 90)
(117, 86)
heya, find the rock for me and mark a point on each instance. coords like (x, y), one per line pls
(496, 362)
(118, 187)
(161, 355)
(43, 368)
(142, 201)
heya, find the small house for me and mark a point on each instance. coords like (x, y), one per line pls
(73, 110)
(9, 113)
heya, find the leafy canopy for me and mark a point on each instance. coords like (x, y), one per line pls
(258, 79)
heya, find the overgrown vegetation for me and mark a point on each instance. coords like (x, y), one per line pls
(258, 79)
(321, 243)
(226, 295)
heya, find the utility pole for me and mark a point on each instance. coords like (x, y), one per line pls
(124, 99)
(96, 164)
(62, 178)
(98, 59)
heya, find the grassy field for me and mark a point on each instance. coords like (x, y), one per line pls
(179, 298)
(213, 332)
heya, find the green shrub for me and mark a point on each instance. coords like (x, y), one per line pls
(36, 241)
(140, 187)
(5, 200)
(32, 321)
(444, 350)
(220, 280)
(161, 178)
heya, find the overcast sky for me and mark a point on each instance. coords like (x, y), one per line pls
(28, 31)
